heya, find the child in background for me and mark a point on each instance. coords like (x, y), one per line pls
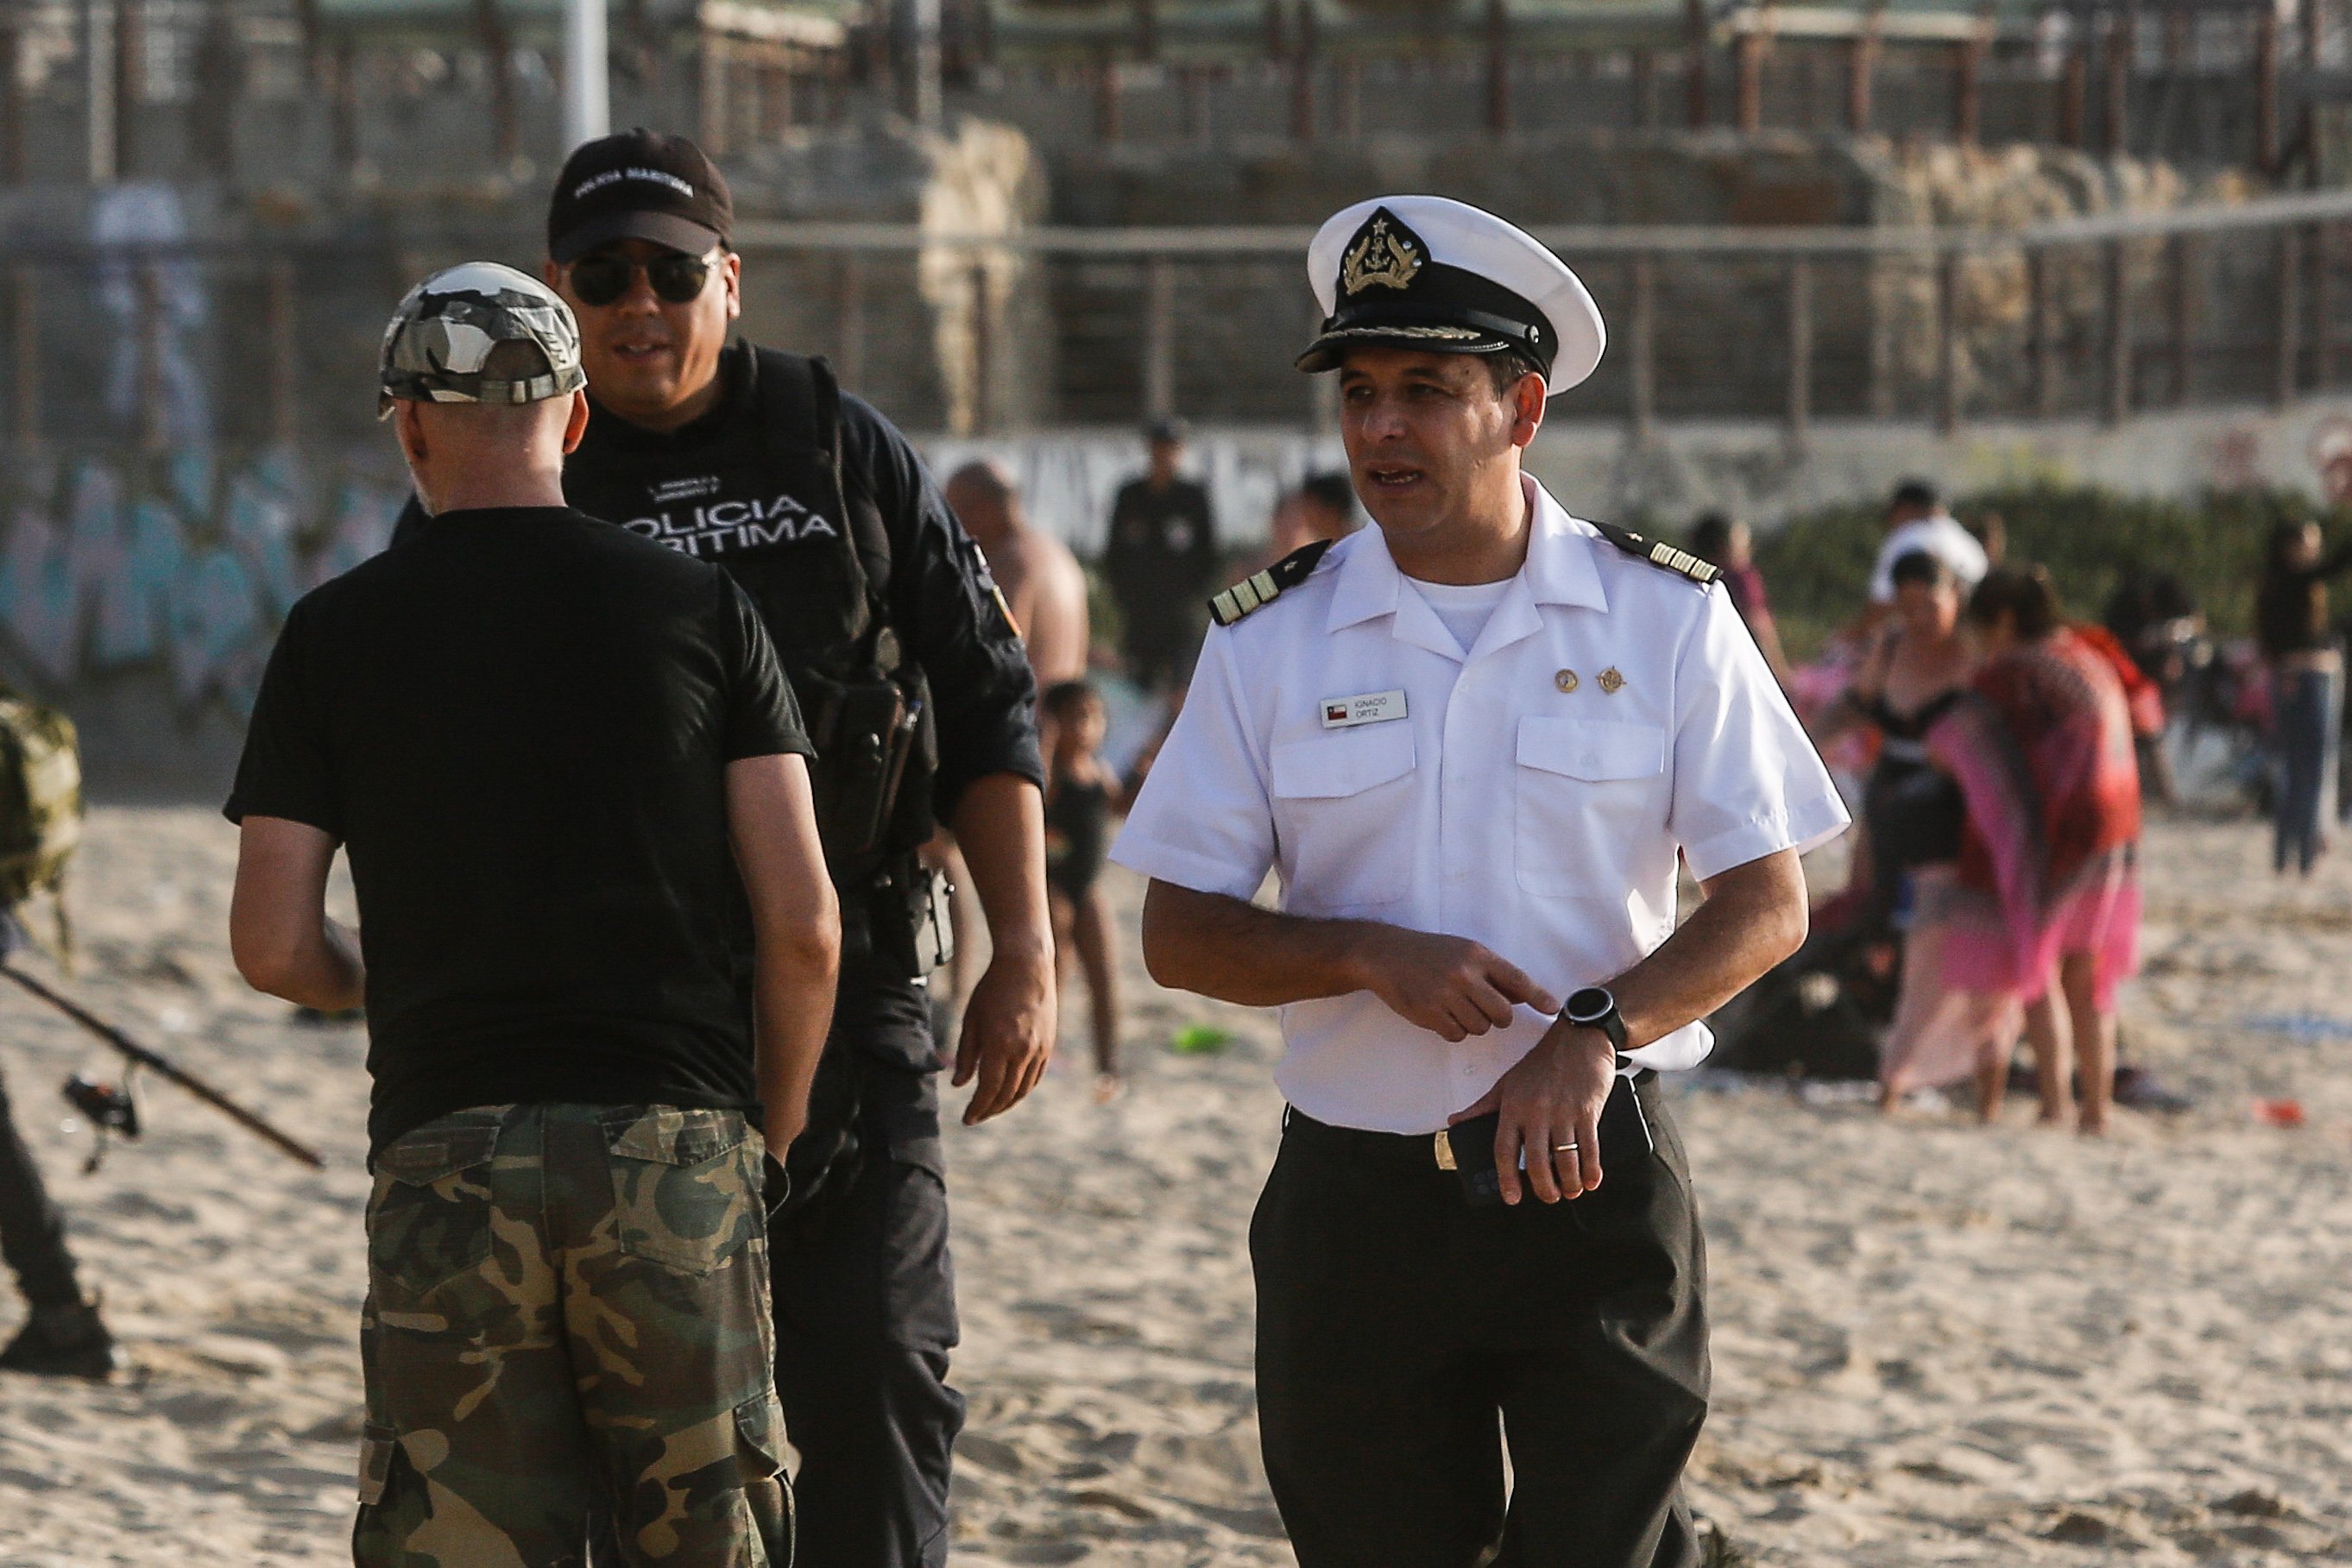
(1080, 793)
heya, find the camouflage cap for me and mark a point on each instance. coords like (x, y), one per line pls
(442, 335)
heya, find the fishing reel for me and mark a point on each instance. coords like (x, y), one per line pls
(111, 1111)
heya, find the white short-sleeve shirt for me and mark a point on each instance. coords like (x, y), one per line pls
(1532, 795)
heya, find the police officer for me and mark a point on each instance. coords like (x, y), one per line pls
(1474, 742)
(920, 705)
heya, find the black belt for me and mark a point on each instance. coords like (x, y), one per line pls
(1424, 1151)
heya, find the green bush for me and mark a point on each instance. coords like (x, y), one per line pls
(1818, 566)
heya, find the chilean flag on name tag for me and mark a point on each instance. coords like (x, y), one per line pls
(1372, 707)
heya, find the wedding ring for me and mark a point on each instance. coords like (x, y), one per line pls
(1563, 1148)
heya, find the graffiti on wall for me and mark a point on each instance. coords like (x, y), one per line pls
(186, 561)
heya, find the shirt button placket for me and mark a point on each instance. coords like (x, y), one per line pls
(1455, 796)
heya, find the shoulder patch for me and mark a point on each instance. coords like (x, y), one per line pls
(1659, 554)
(1261, 588)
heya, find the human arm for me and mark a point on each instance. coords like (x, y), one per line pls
(279, 933)
(1749, 796)
(1009, 1023)
(1754, 916)
(795, 932)
(1230, 949)
(984, 700)
(290, 824)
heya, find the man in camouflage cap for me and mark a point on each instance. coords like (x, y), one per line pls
(570, 778)
(442, 337)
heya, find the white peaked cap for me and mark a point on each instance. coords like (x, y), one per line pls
(1478, 285)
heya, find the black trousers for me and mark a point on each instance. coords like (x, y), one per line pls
(32, 1229)
(864, 1312)
(1404, 1336)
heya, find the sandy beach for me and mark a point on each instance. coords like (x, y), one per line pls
(1934, 1343)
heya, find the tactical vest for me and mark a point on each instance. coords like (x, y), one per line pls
(767, 498)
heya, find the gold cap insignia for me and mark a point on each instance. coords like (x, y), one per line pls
(1612, 681)
(1566, 680)
(1382, 255)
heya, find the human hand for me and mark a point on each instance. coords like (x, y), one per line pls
(1451, 986)
(1008, 1029)
(1552, 1098)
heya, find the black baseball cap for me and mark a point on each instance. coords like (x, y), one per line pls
(638, 185)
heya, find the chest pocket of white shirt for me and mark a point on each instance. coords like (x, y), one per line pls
(1592, 806)
(1342, 806)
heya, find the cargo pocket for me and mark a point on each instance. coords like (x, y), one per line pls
(377, 1448)
(428, 1219)
(767, 1490)
(686, 1184)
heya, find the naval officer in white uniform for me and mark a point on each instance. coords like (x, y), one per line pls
(1473, 742)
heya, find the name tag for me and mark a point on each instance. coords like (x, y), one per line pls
(1372, 707)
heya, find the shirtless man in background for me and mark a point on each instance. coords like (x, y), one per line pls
(1044, 592)
(1042, 583)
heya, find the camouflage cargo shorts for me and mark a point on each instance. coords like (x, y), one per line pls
(568, 1310)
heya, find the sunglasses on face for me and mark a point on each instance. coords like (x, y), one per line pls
(675, 277)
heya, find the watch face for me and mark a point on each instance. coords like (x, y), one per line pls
(1590, 1004)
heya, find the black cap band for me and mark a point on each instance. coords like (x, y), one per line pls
(1401, 299)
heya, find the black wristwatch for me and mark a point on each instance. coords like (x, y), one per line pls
(1594, 1008)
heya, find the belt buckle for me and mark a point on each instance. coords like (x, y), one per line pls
(1444, 1149)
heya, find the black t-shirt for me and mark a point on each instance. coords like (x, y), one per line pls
(518, 723)
(942, 600)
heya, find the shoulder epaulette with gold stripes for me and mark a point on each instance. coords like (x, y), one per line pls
(1262, 588)
(1659, 553)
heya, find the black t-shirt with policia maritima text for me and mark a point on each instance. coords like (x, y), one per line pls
(519, 724)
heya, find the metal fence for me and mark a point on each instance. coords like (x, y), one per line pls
(269, 93)
(162, 346)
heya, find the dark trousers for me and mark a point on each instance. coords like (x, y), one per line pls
(1404, 1336)
(32, 1229)
(864, 1310)
(2307, 704)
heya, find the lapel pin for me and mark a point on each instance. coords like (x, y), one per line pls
(1566, 680)
(1612, 681)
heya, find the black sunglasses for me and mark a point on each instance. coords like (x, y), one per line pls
(675, 277)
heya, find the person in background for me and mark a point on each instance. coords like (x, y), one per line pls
(1322, 507)
(1160, 562)
(1917, 520)
(2292, 629)
(62, 1334)
(1915, 816)
(2045, 906)
(2156, 622)
(1044, 587)
(1730, 547)
(1081, 793)
(1991, 534)
(1045, 593)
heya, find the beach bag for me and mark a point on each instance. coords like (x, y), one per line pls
(40, 803)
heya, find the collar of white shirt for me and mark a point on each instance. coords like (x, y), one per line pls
(1558, 571)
